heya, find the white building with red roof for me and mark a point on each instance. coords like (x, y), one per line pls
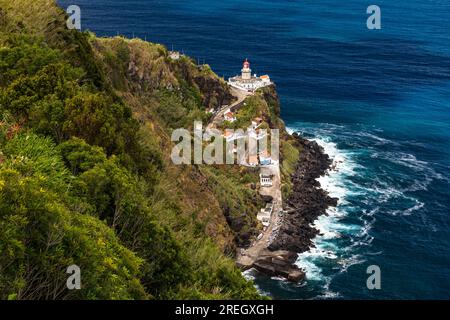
(248, 82)
(229, 116)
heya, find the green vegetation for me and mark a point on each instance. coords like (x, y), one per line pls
(263, 104)
(43, 230)
(289, 155)
(253, 106)
(85, 176)
(83, 179)
(237, 199)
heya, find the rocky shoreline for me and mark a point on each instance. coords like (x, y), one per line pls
(306, 203)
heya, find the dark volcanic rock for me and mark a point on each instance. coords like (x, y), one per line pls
(214, 92)
(307, 202)
(280, 265)
(266, 199)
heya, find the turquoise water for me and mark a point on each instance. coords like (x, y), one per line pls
(377, 100)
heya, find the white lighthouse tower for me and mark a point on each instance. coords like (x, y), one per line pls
(248, 82)
(246, 71)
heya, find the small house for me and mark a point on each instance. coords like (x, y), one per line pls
(265, 215)
(229, 116)
(266, 180)
(265, 80)
(174, 55)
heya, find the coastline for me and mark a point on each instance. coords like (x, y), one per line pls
(307, 202)
(104, 173)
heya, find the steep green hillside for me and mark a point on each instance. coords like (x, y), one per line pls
(83, 176)
(166, 94)
(85, 170)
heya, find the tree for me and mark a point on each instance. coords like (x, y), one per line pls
(80, 156)
(121, 199)
(41, 234)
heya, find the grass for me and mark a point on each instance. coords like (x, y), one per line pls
(289, 155)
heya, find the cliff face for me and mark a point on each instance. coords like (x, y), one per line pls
(152, 83)
(143, 69)
(215, 92)
(99, 114)
(108, 106)
(306, 202)
(166, 94)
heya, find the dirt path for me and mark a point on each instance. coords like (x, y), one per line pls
(218, 116)
(247, 257)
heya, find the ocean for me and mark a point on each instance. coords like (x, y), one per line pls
(378, 101)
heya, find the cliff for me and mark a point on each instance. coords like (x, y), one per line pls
(87, 121)
(85, 133)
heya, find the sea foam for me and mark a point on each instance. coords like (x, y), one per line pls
(325, 250)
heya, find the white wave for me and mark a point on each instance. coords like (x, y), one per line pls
(409, 161)
(326, 252)
(307, 261)
(378, 140)
(249, 274)
(329, 295)
(419, 205)
(325, 226)
(351, 261)
(278, 279)
(368, 221)
(383, 191)
(336, 212)
(329, 226)
(290, 130)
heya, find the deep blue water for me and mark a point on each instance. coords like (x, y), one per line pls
(377, 99)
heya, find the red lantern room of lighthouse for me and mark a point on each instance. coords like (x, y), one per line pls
(246, 71)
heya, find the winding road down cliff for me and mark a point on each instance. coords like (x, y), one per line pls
(218, 116)
(258, 255)
(247, 257)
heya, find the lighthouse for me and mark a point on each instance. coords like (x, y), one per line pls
(246, 71)
(248, 82)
